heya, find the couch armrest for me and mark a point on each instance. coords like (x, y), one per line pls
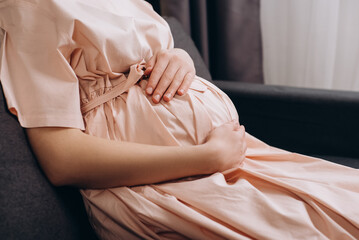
(308, 121)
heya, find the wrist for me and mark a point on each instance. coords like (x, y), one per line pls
(210, 156)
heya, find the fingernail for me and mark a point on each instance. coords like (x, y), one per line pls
(149, 90)
(168, 96)
(156, 98)
(181, 91)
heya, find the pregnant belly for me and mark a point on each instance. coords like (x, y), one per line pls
(185, 120)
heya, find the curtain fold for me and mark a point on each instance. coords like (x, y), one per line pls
(226, 32)
(193, 17)
(311, 43)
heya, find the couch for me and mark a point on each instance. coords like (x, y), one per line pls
(315, 122)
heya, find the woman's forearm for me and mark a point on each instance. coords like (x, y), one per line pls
(70, 157)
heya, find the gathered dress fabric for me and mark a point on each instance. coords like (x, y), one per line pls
(80, 63)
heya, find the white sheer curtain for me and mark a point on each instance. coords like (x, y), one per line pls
(311, 43)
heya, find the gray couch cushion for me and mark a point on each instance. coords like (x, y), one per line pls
(30, 208)
(314, 122)
(347, 161)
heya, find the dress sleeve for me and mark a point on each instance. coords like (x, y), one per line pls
(40, 87)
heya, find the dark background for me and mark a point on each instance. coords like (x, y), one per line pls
(226, 32)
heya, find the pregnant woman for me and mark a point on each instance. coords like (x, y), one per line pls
(111, 107)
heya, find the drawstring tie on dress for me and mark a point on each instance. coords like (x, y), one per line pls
(135, 74)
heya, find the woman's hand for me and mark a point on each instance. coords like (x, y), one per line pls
(228, 145)
(171, 71)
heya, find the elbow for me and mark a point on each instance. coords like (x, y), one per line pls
(57, 175)
(55, 165)
(56, 181)
(54, 152)
(56, 178)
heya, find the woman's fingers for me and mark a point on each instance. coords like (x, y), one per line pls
(156, 73)
(228, 144)
(149, 65)
(165, 81)
(171, 71)
(176, 83)
(187, 81)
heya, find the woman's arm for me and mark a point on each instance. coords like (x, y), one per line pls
(71, 157)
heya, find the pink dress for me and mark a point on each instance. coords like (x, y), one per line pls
(77, 63)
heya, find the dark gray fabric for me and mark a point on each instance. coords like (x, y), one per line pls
(350, 162)
(182, 40)
(308, 121)
(193, 17)
(30, 208)
(236, 40)
(226, 32)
